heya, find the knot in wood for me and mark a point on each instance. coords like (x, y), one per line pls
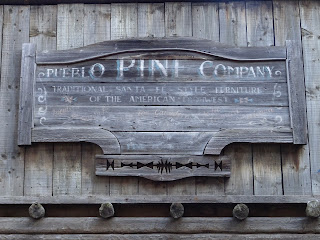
(313, 209)
(36, 211)
(240, 211)
(106, 210)
(176, 210)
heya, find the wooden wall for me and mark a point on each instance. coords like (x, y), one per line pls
(68, 169)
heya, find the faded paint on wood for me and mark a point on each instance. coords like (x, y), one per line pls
(178, 23)
(151, 23)
(67, 157)
(97, 24)
(15, 31)
(309, 13)
(295, 159)
(124, 24)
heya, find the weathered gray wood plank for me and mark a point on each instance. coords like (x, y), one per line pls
(164, 118)
(125, 46)
(153, 199)
(39, 157)
(151, 24)
(125, 225)
(266, 158)
(159, 236)
(124, 24)
(295, 159)
(205, 21)
(309, 13)
(297, 101)
(162, 167)
(232, 20)
(67, 157)
(15, 32)
(97, 28)
(25, 121)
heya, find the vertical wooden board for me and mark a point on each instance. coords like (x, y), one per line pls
(97, 20)
(124, 24)
(38, 170)
(15, 32)
(151, 20)
(67, 169)
(70, 26)
(39, 157)
(267, 169)
(205, 21)
(266, 157)
(205, 24)
(124, 20)
(151, 24)
(259, 23)
(310, 18)
(178, 19)
(232, 21)
(43, 27)
(178, 22)
(295, 159)
(1, 27)
(67, 157)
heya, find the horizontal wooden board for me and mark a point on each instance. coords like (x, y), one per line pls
(139, 199)
(161, 94)
(162, 167)
(190, 44)
(155, 70)
(158, 236)
(173, 118)
(187, 225)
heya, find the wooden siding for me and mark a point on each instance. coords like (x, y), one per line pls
(68, 168)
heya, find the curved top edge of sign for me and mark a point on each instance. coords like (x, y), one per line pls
(185, 44)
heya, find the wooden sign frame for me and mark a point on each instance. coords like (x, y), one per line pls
(220, 95)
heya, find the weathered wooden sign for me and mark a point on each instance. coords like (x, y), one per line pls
(162, 108)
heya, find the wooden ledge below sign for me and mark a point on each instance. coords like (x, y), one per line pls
(153, 199)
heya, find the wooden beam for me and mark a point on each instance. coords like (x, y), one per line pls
(129, 225)
(154, 199)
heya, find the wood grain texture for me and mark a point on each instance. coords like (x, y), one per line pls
(187, 225)
(266, 158)
(309, 13)
(97, 28)
(151, 23)
(15, 30)
(159, 236)
(169, 43)
(124, 21)
(25, 121)
(39, 157)
(67, 157)
(205, 21)
(232, 20)
(124, 24)
(295, 159)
